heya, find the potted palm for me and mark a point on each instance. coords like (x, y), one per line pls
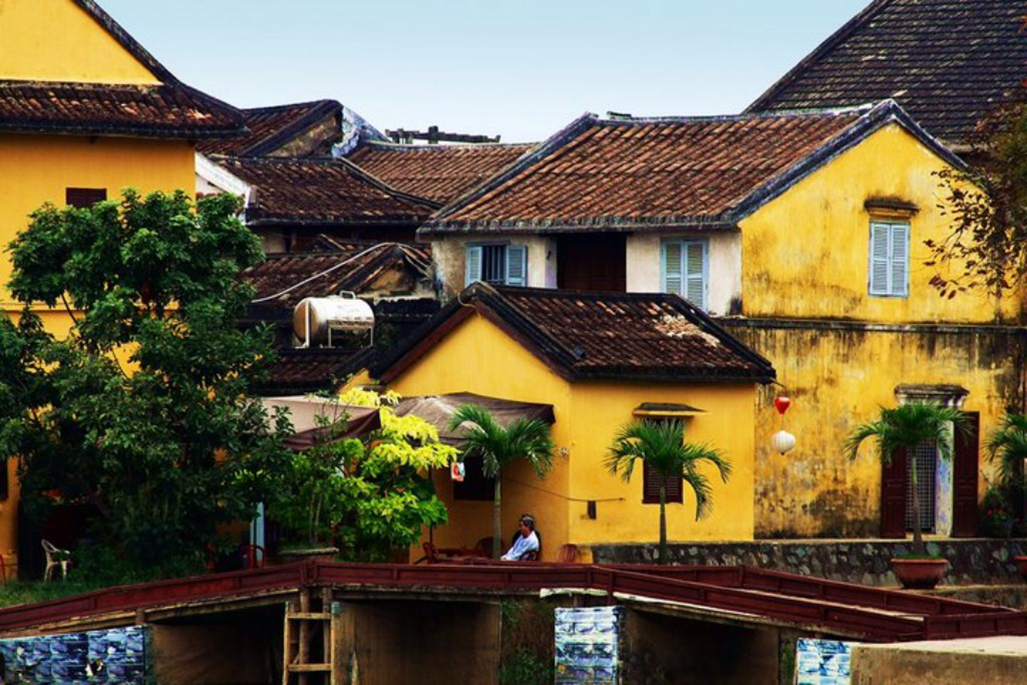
(1008, 447)
(898, 432)
(483, 436)
(661, 445)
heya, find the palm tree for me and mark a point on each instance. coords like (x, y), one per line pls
(661, 445)
(497, 446)
(903, 429)
(1008, 445)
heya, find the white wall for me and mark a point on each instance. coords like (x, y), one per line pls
(448, 253)
(725, 254)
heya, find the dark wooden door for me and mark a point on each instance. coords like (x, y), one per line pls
(965, 471)
(894, 477)
(594, 263)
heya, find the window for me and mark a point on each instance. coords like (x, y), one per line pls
(651, 487)
(685, 270)
(84, 198)
(498, 264)
(889, 259)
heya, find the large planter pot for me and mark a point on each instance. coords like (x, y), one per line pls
(919, 574)
(1021, 565)
(289, 556)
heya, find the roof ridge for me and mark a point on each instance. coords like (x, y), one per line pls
(125, 39)
(408, 147)
(278, 108)
(832, 41)
(812, 112)
(314, 112)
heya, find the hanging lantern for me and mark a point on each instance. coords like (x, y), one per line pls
(783, 442)
(782, 402)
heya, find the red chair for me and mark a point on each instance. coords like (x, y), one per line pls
(253, 556)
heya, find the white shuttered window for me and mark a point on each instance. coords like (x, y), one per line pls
(685, 270)
(497, 263)
(889, 259)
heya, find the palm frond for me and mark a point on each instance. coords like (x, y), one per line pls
(484, 436)
(907, 426)
(1008, 446)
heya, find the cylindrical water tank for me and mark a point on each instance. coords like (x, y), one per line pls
(340, 314)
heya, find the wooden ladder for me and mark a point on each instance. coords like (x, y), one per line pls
(311, 625)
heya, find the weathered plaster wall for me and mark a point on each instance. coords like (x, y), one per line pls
(725, 255)
(448, 254)
(56, 40)
(987, 661)
(806, 253)
(838, 375)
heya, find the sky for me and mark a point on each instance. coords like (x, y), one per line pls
(521, 69)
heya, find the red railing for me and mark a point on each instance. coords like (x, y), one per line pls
(832, 607)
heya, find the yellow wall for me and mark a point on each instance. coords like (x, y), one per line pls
(35, 169)
(55, 40)
(478, 357)
(805, 254)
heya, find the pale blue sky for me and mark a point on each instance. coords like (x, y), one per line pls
(521, 69)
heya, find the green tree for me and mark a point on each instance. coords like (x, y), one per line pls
(144, 410)
(987, 204)
(1008, 447)
(661, 445)
(901, 430)
(484, 437)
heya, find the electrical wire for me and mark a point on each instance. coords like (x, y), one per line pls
(507, 479)
(323, 273)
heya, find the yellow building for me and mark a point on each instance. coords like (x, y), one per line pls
(802, 233)
(85, 111)
(600, 360)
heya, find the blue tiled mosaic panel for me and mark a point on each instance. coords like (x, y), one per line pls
(822, 662)
(99, 657)
(588, 645)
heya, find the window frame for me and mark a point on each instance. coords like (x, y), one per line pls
(506, 245)
(651, 487)
(889, 290)
(684, 242)
(84, 198)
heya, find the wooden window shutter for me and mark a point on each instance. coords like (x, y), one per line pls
(473, 268)
(899, 260)
(673, 279)
(879, 262)
(84, 198)
(695, 271)
(894, 477)
(651, 487)
(517, 265)
(965, 471)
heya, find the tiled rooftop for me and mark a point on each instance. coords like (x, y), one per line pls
(271, 127)
(633, 174)
(352, 268)
(947, 62)
(436, 172)
(320, 192)
(613, 336)
(165, 111)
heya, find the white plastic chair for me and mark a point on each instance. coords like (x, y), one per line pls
(55, 557)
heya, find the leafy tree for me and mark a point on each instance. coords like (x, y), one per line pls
(370, 496)
(144, 409)
(901, 430)
(987, 245)
(661, 445)
(1008, 446)
(484, 437)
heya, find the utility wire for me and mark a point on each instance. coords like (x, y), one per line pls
(507, 479)
(323, 273)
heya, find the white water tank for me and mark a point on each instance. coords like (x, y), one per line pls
(315, 319)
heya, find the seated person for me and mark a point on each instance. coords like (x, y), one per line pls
(525, 543)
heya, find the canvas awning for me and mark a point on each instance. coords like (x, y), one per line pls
(439, 409)
(307, 412)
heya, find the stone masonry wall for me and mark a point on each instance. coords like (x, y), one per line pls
(972, 561)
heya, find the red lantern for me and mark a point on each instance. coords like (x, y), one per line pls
(782, 402)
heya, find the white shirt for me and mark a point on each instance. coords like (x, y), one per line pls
(522, 546)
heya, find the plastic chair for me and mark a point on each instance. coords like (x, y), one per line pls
(55, 557)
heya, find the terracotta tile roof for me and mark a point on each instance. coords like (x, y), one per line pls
(437, 172)
(165, 111)
(320, 192)
(271, 127)
(596, 336)
(653, 174)
(947, 62)
(169, 110)
(353, 267)
(302, 371)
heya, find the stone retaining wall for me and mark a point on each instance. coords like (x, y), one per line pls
(973, 561)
